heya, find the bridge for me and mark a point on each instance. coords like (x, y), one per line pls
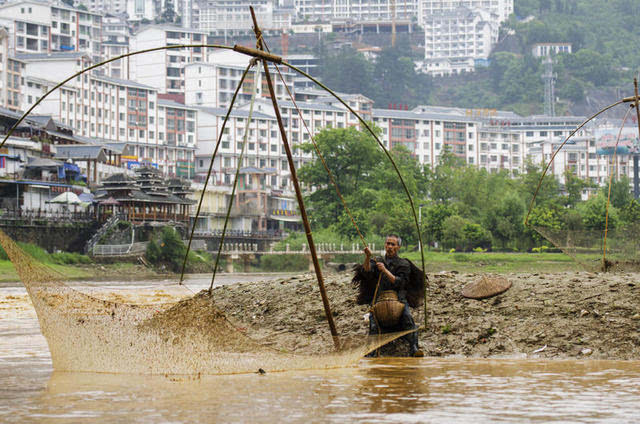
(243, 252)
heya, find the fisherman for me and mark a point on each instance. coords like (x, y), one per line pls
(395, 276)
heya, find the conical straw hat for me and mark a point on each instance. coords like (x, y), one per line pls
(485, 287)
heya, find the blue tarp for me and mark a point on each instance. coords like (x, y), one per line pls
(72, 168)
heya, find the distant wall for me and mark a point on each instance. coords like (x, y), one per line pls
(69, 238)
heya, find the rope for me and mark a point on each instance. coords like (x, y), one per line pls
(606, 214)
(213, 156)
(235, 181)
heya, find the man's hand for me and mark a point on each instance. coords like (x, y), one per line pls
(367, 252)
(381, 266)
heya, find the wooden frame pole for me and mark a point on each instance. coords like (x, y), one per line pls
(296, 185)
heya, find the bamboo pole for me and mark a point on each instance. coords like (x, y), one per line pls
(296, 185)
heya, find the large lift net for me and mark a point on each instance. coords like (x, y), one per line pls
(192, 336)
(587, 247)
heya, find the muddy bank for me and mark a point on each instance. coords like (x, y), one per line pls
(559, 315)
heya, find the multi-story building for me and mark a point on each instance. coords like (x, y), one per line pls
(104, 6)
(164, 69)
(37, 27)
(115, 42)
(138, 10)
(176, 129)
(456, 39)
(11, 76)
(212, 84)
(500, 8)
(355, 10)
(459, 34)
(231, 18)
(120, 113)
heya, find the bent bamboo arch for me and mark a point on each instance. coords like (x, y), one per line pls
(265, 57)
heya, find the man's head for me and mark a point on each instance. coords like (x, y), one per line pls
(392, 245)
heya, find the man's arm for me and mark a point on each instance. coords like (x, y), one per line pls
(387, 274)
(367, 259)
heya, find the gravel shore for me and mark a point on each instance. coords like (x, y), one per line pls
(558, 315)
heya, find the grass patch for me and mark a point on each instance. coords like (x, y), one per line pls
(495, 262)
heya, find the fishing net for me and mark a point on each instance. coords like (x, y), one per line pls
(587, 247)
(192, 336)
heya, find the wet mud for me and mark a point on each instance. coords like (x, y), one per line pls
(550, 315)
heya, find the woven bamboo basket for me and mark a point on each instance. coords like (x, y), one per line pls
(388, 309)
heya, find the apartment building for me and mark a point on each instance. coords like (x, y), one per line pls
(230, 18)
(11, 76)
(456, 39)
(459, 34)
(37, 27)
(123, 114)
(106, 6)
(138, 10)
(355, 10)
(164, 69)
(175, 129)
(213, 83)
(502, 9)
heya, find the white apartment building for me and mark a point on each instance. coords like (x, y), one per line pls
(138, 10)
(459, 34)
(37, 27)
(500, 8)
(105, 6)
(106, 110)
(164, 69)
(355, 10)
(455, 39)
(212, 84)
(231, 18)
(115, 42)
(265, 149)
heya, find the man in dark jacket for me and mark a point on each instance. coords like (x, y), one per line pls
(395, 276)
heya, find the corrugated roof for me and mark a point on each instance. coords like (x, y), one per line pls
(406, 114)
(127, 83)
(80, 151)
(238, 113)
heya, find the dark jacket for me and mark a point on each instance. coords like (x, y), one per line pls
(400, 269)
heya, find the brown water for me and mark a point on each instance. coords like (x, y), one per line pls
(376, 390)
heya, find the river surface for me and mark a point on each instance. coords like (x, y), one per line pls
(392, 390)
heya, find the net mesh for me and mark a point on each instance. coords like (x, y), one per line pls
(587, 247)
(192, 336)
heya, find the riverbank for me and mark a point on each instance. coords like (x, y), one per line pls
(125, 271)
(543, 315)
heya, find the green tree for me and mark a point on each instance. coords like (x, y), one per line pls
(594, 215)
(505, 220)
(347, 71)
(433, 218)
(353, 158)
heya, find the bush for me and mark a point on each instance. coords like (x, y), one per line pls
(284, 262)
(169, 251)
(68, 258)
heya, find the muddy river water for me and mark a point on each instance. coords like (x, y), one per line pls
(398, 390)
